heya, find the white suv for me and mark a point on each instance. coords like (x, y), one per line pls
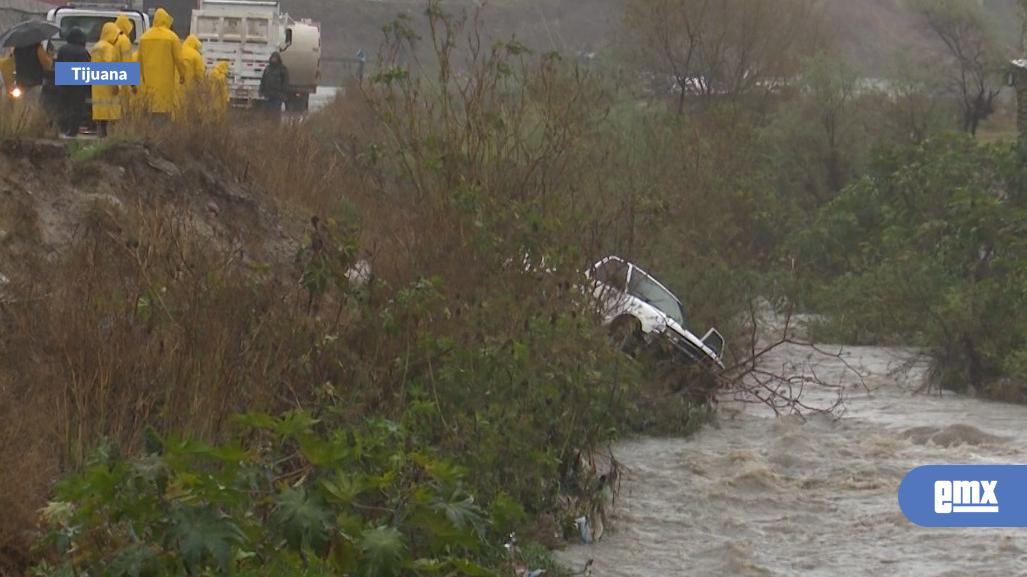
(640, 310)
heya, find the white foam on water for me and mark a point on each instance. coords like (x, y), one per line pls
(765, 496)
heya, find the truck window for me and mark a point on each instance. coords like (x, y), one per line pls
(92, 25)
(257, 29)
(207, 27)
(646, 288)
(714, 341)
(232, 30)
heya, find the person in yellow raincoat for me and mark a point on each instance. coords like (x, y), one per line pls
(7, 70)
(195, 68)
(218, 79)
(106, 105)
(124, 43)
(160, 64)
(128, 95)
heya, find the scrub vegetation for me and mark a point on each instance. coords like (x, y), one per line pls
(18, 119)
(357, 344)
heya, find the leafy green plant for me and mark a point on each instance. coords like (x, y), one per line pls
(294, 497)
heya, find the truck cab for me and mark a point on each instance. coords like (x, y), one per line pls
(90, 18)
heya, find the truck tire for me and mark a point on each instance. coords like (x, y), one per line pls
(298, 103)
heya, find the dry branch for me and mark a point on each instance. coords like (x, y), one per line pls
(750, 380)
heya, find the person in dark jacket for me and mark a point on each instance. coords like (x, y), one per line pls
(274, 85)
(31, 65)
(73, 101)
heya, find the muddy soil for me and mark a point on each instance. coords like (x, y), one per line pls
(49, 192)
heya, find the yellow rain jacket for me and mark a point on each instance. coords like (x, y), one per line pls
(7, 70)
(195, 68)
(124, 43)
(219, 86)
(106, 105)
(160, 64)
(129, 95)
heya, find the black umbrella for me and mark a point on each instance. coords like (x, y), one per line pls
(28, 33)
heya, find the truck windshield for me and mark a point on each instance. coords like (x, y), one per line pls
(644, 287)
(92, 25)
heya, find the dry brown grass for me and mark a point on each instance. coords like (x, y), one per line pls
(142, 322)
(288, 160)
(20, 118)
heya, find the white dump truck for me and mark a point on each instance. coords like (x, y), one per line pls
(245, 33)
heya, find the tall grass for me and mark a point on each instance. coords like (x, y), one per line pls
(21, 118)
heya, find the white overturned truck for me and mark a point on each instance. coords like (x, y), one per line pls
(245, 33)
(639, 310)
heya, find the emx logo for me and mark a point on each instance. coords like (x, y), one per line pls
(965, 496)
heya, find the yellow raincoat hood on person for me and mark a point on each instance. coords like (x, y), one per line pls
(220, 70)
(219, 85)
(195, 67)
(160, 64)
(124, 43)
(106, 105)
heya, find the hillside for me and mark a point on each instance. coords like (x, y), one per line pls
(868, 31)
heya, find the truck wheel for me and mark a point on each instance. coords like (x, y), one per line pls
(626, 333)
(298, 103)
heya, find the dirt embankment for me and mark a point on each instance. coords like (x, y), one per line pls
(55, 196)
(47, 192)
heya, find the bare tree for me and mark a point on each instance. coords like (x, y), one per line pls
(723, 48)
(969, 43)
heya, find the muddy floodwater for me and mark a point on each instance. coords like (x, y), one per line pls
(757, 495)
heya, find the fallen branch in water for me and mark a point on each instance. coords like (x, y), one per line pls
(782, 390)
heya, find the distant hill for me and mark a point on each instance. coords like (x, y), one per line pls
(868, 31)
(564, 25)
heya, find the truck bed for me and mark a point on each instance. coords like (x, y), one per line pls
(246, 32)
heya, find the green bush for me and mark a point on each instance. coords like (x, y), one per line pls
(928, 249)
(292, 497)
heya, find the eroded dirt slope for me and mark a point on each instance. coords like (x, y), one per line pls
(45, 196)
(54, 194)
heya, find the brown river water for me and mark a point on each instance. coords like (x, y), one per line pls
(759, 495)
